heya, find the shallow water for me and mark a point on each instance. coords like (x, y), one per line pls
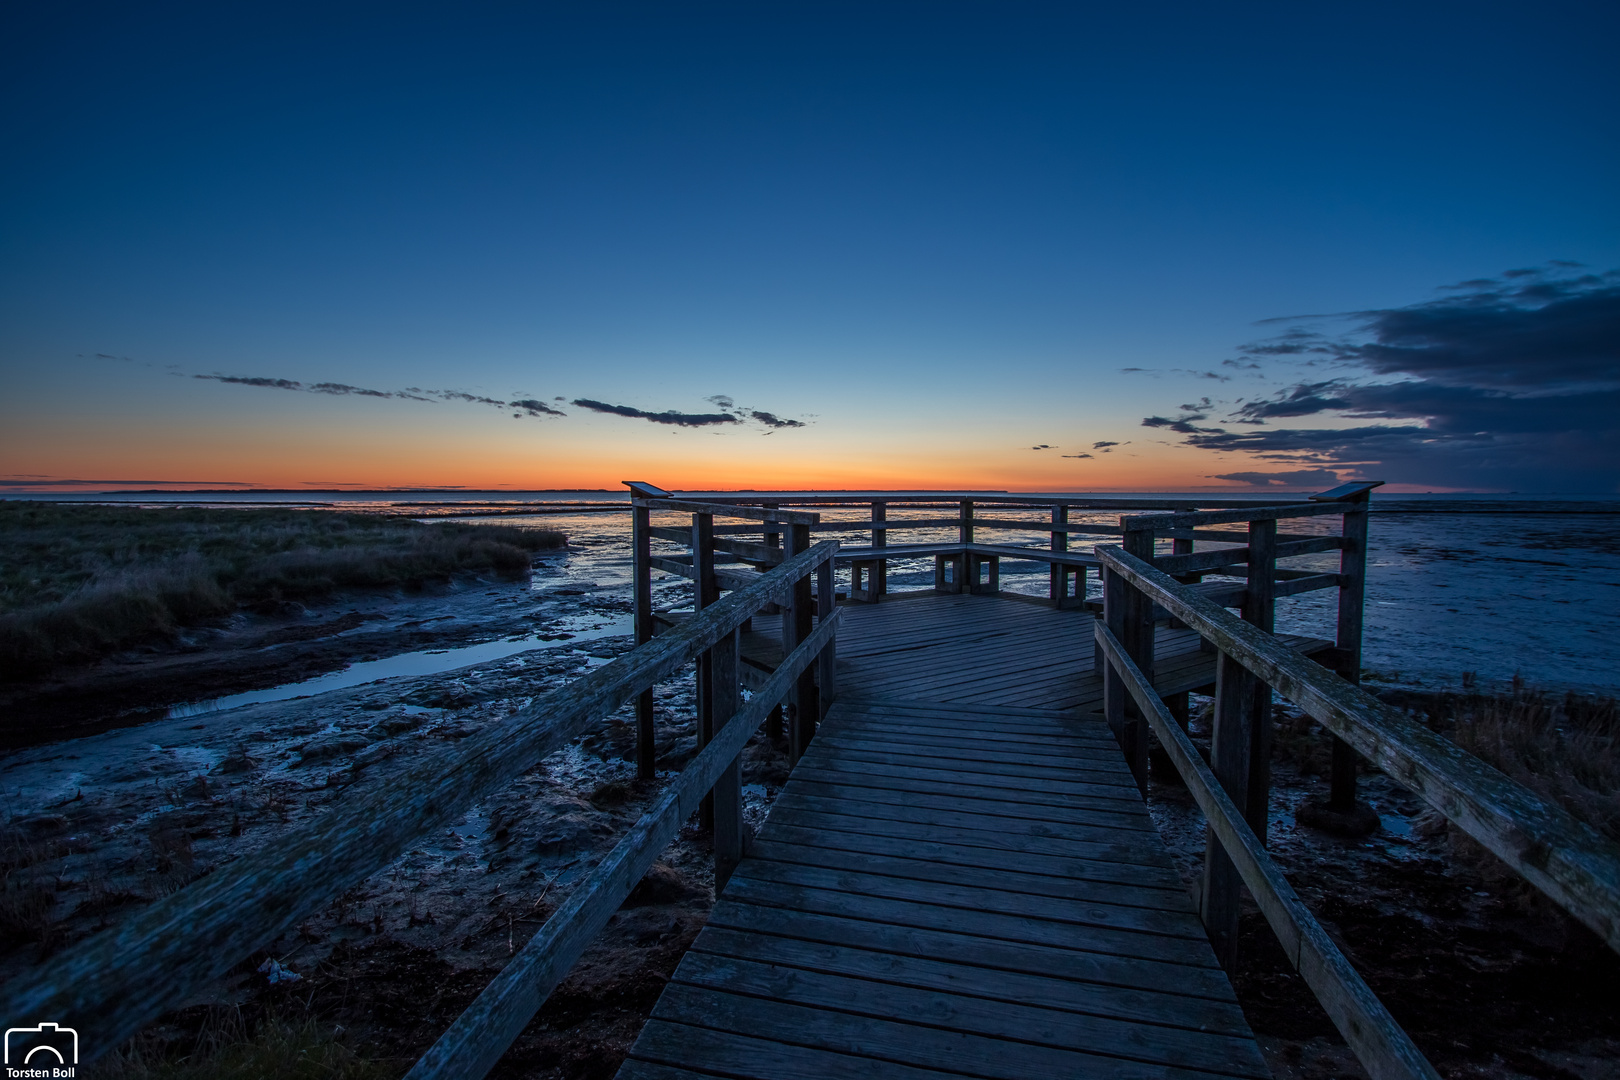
(569, 630)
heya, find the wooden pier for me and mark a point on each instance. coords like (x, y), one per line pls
(960, 878)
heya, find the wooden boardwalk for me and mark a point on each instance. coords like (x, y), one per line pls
(960, 879)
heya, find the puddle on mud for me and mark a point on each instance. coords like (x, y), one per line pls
(565, 631)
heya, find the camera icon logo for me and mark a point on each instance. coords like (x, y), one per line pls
(42, 1044)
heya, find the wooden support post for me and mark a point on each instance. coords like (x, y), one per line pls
(1113, 616)
(705, 591)
(772, 539)
(1260, 610)
(1229, 759)
(880, 538)
(966, 564)
(726, 798)
(951, 583)
(1060, 574)
(1179, 708)
(803, 710)
(827, 661)
(1137, 637)
(1352, 606)
(1183, 545)
(641, 544)
(992, 585)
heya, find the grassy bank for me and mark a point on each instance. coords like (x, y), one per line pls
(78, 582)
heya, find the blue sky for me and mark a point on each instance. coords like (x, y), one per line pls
(934, 235)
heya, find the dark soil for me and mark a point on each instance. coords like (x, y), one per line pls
(1489, 978)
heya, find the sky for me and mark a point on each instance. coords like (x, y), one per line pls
(1022, 246)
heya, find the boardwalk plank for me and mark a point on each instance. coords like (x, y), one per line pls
(940, 1007)
(944, 968)
(1207, 984)
(893, 1041)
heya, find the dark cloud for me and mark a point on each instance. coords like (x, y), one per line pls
(241, 380)
(535, 408)
(737, 415)
(529, 406)
(678, 419)
(345, 388)
(1184, 424)
(771, 420)
(1076, 455)
(1296, 478)
(1043, 446)
(1105, 444)
(1511, 381)
(457, 395)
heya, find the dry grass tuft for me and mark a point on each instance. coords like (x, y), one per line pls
(294, 1050)
(1565, 747)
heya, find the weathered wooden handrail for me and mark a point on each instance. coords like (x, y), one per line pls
(1572, 863)
(1193, 518)
(112, 984)
(477, 1039)
(1378, 1041)
(736, 510)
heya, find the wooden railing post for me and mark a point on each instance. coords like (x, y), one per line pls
(967, 565)
(641, 573)
(1260, 610)
(797, 621)
(827, 660)
(1229, 760)
(1352, 605)
(880, 538)
(726, 798)
(1060, 542)
(1124, 610)
(705, 591)
(1240, 752)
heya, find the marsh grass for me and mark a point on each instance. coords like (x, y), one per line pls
(78, 582)
(1565, 747)
(225, 1050)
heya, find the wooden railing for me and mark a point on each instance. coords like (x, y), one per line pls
(1571, 863)
(112, 984)
(967, 565)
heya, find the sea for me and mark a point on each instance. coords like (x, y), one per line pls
(1462, 590)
